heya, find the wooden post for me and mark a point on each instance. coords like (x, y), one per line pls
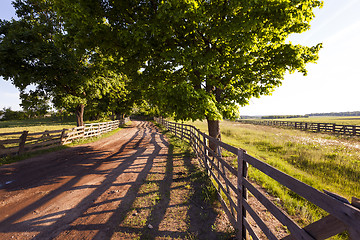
(205, 156)
(355, 233)
(182, 131)
(241, 214)
(22, 142)
(62, 136)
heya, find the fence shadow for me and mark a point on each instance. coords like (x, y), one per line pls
(232, 185)
(93, 191)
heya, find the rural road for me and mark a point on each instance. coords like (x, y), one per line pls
(89, 192)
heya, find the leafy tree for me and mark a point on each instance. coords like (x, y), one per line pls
(34, 103)
(8, 114)
(36, 49)
(198, 59)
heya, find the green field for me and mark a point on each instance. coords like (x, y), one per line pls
(40, 125)
(35, 125)
(320, 160)
(337, 120)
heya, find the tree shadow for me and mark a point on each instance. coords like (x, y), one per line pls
(105, 206)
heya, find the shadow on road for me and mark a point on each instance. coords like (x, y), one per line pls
(130, 185)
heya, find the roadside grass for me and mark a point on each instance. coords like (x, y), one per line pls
(320, 160)
(198, 175)
(16, 158)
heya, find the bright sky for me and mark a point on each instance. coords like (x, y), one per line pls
(332, 85)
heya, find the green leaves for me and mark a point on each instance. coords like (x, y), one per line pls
(192, 59)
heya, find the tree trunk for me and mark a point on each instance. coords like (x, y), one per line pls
(119, 116)
(80, 115)
(214, 131)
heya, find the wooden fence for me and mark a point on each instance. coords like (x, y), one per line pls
(352, 130)
(233, 185)
(22, 142)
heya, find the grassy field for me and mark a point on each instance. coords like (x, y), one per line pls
(320, 160)
(35, 125)
(338, 120)
(39, 125)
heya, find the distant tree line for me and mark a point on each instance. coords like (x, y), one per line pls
(354, 113)
(8, 114)
(284, 116)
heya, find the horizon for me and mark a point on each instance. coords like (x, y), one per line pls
(330, 85)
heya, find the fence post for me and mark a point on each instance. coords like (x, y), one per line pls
(22, 142)
(182, 131)
(242, 194)
(62, 136)
(205, 155)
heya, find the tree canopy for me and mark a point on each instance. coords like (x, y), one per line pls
(37, 50)
(199, 59)
(192, 59)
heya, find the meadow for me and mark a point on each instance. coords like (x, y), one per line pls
(347, 120)
(40, 125)
(36, 125)
(322, 161)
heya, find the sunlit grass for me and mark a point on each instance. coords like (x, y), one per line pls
(36, 125)
(346, 120)
(322, 161)
(16, 158)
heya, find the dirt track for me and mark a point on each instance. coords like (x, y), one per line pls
(92, 192)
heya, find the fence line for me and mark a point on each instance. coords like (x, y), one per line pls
(22, 142)
(352, 130)
(233, 185)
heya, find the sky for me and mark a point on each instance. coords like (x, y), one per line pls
(332, 84)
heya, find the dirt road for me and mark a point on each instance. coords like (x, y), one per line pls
(127, 186)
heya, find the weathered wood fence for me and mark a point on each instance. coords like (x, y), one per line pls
(233, 185)
(22, 142)
(352, 130)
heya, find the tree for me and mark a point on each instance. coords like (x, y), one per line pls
(34, 103)
(219, 54)
(36, 49)
(8, 114)
(198, 59)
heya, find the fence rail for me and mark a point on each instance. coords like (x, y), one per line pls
(352, 130)
(233, 185)
(22, 142)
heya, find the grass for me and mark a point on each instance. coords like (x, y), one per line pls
(16, 158)
(40, 125)
(347, 120)
(36, 125)
(322, 161)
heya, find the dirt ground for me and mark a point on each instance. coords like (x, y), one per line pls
(126, 186)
